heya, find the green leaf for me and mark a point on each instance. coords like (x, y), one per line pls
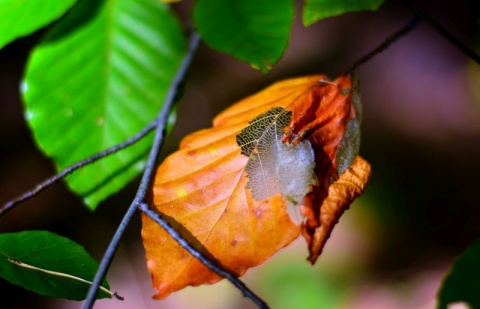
(48, 264)
(253, 31)
(19, 18)
(314, 10)
(98, 78)
(462, 283)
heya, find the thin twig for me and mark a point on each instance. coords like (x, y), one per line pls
(200, 256)
(56, 178)
(386, 43)
(443, 32)
(147, 175)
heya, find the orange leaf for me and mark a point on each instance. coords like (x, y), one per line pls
(229, 198)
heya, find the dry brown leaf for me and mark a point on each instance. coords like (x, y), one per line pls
(341, 194)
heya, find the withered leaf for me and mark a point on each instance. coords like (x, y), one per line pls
(350, 145)
(274, 166)
(341, 194)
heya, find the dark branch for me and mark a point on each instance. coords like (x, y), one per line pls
(147, 175)
(47, 183)
(138, 201)
(201, 257)
(420, 15)
(386, 43)
(443, 32)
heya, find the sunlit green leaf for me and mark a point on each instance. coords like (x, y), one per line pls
(48, 264)
(462, 283)
(97, 79)
(314, 10)
(253, 31)
(19, 17)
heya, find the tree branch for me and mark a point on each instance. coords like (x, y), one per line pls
(201, 257)
(139, 203)
(386, 43)
(159, 124)
(443, 32)
(420, 15)
(56, 178)
(148, 173)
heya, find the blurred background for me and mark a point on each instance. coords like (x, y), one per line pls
(421, 134)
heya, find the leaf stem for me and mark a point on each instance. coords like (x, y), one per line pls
(201, 257)
(386, 43)
(56, 178)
